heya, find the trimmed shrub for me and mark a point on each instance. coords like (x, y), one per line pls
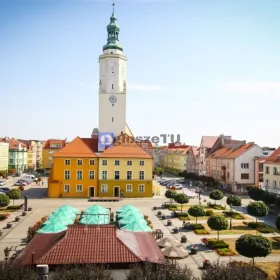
(255, 225)
(197, 226)
(217, 244)
(4, 200)
(224, 252)
(181, 214)
(210, 213)
(201, 231)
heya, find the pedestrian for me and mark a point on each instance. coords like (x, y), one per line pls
(42, 183)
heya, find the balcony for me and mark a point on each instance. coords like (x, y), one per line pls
(223, 177)
(223, 167)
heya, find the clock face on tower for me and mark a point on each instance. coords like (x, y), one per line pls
(113, 99)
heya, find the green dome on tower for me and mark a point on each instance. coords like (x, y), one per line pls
(113, 33)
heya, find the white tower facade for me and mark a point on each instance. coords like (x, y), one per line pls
(112, 83)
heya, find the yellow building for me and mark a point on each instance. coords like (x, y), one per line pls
(271, 173)
(125, 170)
(75, 170)
(52, 146)
(180, 158)
(4, 156)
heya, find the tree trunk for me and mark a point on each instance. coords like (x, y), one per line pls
(196, 220)
(256, 220)
(253, 261)
(218, 235)
(181, 208)
(13, 202)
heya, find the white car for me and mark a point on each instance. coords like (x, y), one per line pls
(20, 184)
(2, 183)
(178, 186)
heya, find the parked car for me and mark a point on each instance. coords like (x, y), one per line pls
(20, 184)
(2, 192)
(178, 186)
(165, 183)
(2, 183)
(5, 190)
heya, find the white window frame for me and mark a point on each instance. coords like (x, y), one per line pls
(103, 173)
(104, 162)
(67, 188)
(117, 161)
(129, 163)
(104, 188)
(142, 163)
(67, 174)
(141, 188)
(141, 176)
(91, 162)
(129, 188)
(91, 174)
(67, 162)
(79, 161)
(115, 175)
(77, 188)
(127, 175)
(78, 173)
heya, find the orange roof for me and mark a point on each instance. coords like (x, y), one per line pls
(229, 153)
(126, 150)
(13, 143)
(274, 157)
(76, 149)
(54, 141)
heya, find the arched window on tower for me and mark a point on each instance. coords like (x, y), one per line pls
(117, 35)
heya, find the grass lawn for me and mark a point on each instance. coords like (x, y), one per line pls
(269, 268)
(275, 245)
(236, 229)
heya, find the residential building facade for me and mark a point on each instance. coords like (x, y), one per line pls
(222, 141)
(235, 167)
(4, 156)
(259, 170)
(75, 171)
(125, 170)
(31, 153)
(206, 145)
(271, 174)
(17, 154)
(180, 157)
(51, 147)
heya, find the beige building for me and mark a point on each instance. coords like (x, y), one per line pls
(234, 168)
(272, 172)
(4, 156)
(180, 158)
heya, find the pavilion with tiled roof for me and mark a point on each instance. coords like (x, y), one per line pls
(92, 244)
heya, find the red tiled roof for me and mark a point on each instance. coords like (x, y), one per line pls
(102, 244)
(39, 245)
(54, 141)
(274, 157)
(76, 148)
(92, 143)
(13, 143)
(230, 153)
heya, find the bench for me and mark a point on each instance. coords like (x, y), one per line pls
(104, 199)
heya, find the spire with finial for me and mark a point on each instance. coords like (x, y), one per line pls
(113, 33)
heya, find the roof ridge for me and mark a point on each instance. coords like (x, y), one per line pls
(52, 248)
(125, 245)
(87, 146)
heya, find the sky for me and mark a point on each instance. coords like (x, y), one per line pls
(195, 67)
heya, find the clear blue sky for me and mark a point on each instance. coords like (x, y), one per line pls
(195, 67)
